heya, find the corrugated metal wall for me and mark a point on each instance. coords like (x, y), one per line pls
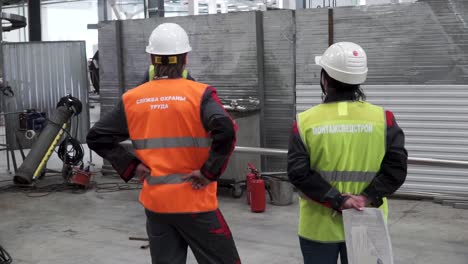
(434, 119)
(279, 62)
(408, 45)
(40, 73)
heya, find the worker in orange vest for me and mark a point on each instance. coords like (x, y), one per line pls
(182, 138)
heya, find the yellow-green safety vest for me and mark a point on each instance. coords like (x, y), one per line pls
(346, 145)
(151, 73)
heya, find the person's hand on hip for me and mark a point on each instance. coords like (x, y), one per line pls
(142, 171)
(197, 179)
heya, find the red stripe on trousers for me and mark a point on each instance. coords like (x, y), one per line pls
(224, 228)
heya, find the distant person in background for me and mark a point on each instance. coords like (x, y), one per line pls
(93, 67)
(343, 153)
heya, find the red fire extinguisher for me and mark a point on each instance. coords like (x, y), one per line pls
(251, 175)
(257, 192)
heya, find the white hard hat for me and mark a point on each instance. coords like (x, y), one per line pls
(168, 39)
(345, 62)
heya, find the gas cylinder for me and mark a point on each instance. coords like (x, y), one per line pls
(251, 175)
(257, 195)
(248, 181)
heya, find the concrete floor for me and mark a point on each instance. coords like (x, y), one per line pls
(94, 228)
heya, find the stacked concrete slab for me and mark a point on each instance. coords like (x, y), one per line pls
(224, 53)
(110, 65)
(279, 64)
(406, 44)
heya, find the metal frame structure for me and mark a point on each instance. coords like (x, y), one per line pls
(411, 160)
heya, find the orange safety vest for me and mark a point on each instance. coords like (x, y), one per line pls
(168, 136)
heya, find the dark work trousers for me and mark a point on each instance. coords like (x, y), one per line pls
(323, 253)
(207, 235)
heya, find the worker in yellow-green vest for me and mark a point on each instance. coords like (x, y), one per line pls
(343, 153)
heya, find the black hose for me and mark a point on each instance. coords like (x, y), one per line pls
(71, 157)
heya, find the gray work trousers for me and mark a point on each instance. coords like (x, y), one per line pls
(207, 235)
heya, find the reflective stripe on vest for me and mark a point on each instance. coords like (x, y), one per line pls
(151, 73)
(165, 126)
(347, 176)
(171, 143)
(166, 179)
(346, 145)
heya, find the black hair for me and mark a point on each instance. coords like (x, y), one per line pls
(164, 68)
(339, 91)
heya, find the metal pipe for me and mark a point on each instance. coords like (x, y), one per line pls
(411, 160)
(262, 151)
(408, 195)
(438, 162)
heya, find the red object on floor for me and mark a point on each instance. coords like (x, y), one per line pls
(257, 195)
(81, 177)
